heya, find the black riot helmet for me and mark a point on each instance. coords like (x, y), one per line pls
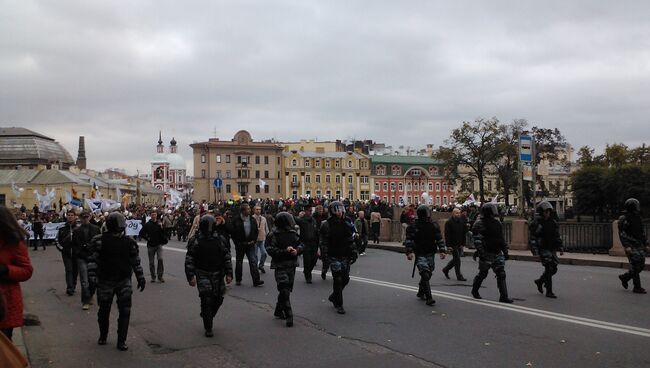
(632, 205)
(207, 224)
(337, 209)
(115, 222)
(284, 221)
(423, 212)
(489, 210)
(543, 206)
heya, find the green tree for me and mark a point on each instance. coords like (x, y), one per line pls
(474, 145)
(506, 167)
(616, 155)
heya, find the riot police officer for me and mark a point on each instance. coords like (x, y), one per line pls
(113, 259)
(284, 246)
(337, 243)
(491, 250)
(545, 241)
(635, 242)
(423, 238)
(207, 262)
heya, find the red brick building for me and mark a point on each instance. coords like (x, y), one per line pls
(406, 178)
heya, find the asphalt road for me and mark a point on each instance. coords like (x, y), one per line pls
(594, 323)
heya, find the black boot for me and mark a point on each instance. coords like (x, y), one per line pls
(102, 320)
(279, 312)
(475, 286)
(549, 288)
(503, 292)
(625, 278)
(123, 329)
(636, 279)
(540, 285)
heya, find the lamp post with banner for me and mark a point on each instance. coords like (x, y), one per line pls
(526, 168)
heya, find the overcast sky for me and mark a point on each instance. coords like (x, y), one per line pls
(399, 72)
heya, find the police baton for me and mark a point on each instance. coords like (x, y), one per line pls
(415, 260)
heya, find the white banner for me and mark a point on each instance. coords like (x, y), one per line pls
(49, 230)
(133, 227)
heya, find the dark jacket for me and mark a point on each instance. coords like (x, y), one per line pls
(630, 231)
(208, 254)
(455, 232)
(308, 230)
(488, 236)
(276, 246)
(546, 235)
(81, 238)
(154, 233)
(113, 259)
(64, 238)
(238, 233)
(337, 238)
(424, 237)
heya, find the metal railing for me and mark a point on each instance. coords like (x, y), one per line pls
(507, 232)
(586, 237)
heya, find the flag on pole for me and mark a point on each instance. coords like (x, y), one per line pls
(93, 191)
(469, 200)
(262, 183)
(17, 190)
(118, 194)
(495, 198)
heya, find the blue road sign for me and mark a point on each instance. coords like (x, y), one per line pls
(525, 148)
(218, 182)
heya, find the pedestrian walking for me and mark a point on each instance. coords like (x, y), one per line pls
(375, 226)
(284, 247)
(207, 263)
(491, 250)
(113, 258)
(81, 238)
(155, 235)
(65, 244)
(309, 238)
(546, 241)
(362, 228)
(455, 235)
(635, 242)
(423, 241)
(244, 235)
(15, 267)
(262, 231)
(337, 243)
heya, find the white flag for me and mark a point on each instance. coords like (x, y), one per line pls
(262, 183)
(495, 198)
(14, 188)
(118, 194)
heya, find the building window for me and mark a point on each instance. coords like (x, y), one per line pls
(364, 195)
(349, 164)
(257, 189)
(396, 170)
(202, 159)
(308, 193)
(433, 170)
(438, 200)
(327, 164)
(218, 159)
(318, 193)
(227, 174)
(400, 187)
(218, 173)
(227, 159)
(364, 180)
(317, 163)
(239, 159)
(294, 195)
(328, 178)
(279, 189)
(228, 190)
(490, 185)
(338, 179)
(350, 179)
(328, 193)
(278, 161)
(266, 160)
(294, 179)
(294, 162)
(392, 187)
(257, 174)
(257, 160)
(266, 189)
(203, 173)
(266, 174)
(337, 164)
(307, 162)
(444, 200)
(385, 186)
(437, 187)
(417, 186)
(380, 170)
(338, 194)
(307, 178)
(317, 178)
(416, 172)
(444, 187)
(376, 187)
(392, 199)
(408, 186)
(430, 187)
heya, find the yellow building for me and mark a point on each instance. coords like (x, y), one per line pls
(326, 174)
(74, 181)
(315, 146)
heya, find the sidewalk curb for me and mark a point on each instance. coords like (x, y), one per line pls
(566, 259)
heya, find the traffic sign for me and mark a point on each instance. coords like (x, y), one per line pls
(526, 148)
(218, 183)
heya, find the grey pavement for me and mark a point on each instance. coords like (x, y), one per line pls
(578, 259)
(594, 323)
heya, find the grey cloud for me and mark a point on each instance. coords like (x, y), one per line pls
(404, 73)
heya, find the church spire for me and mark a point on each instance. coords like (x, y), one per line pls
(160, 148)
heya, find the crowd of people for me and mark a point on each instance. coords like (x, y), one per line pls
(97, 251)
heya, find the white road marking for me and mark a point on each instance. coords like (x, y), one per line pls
(632, 330)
